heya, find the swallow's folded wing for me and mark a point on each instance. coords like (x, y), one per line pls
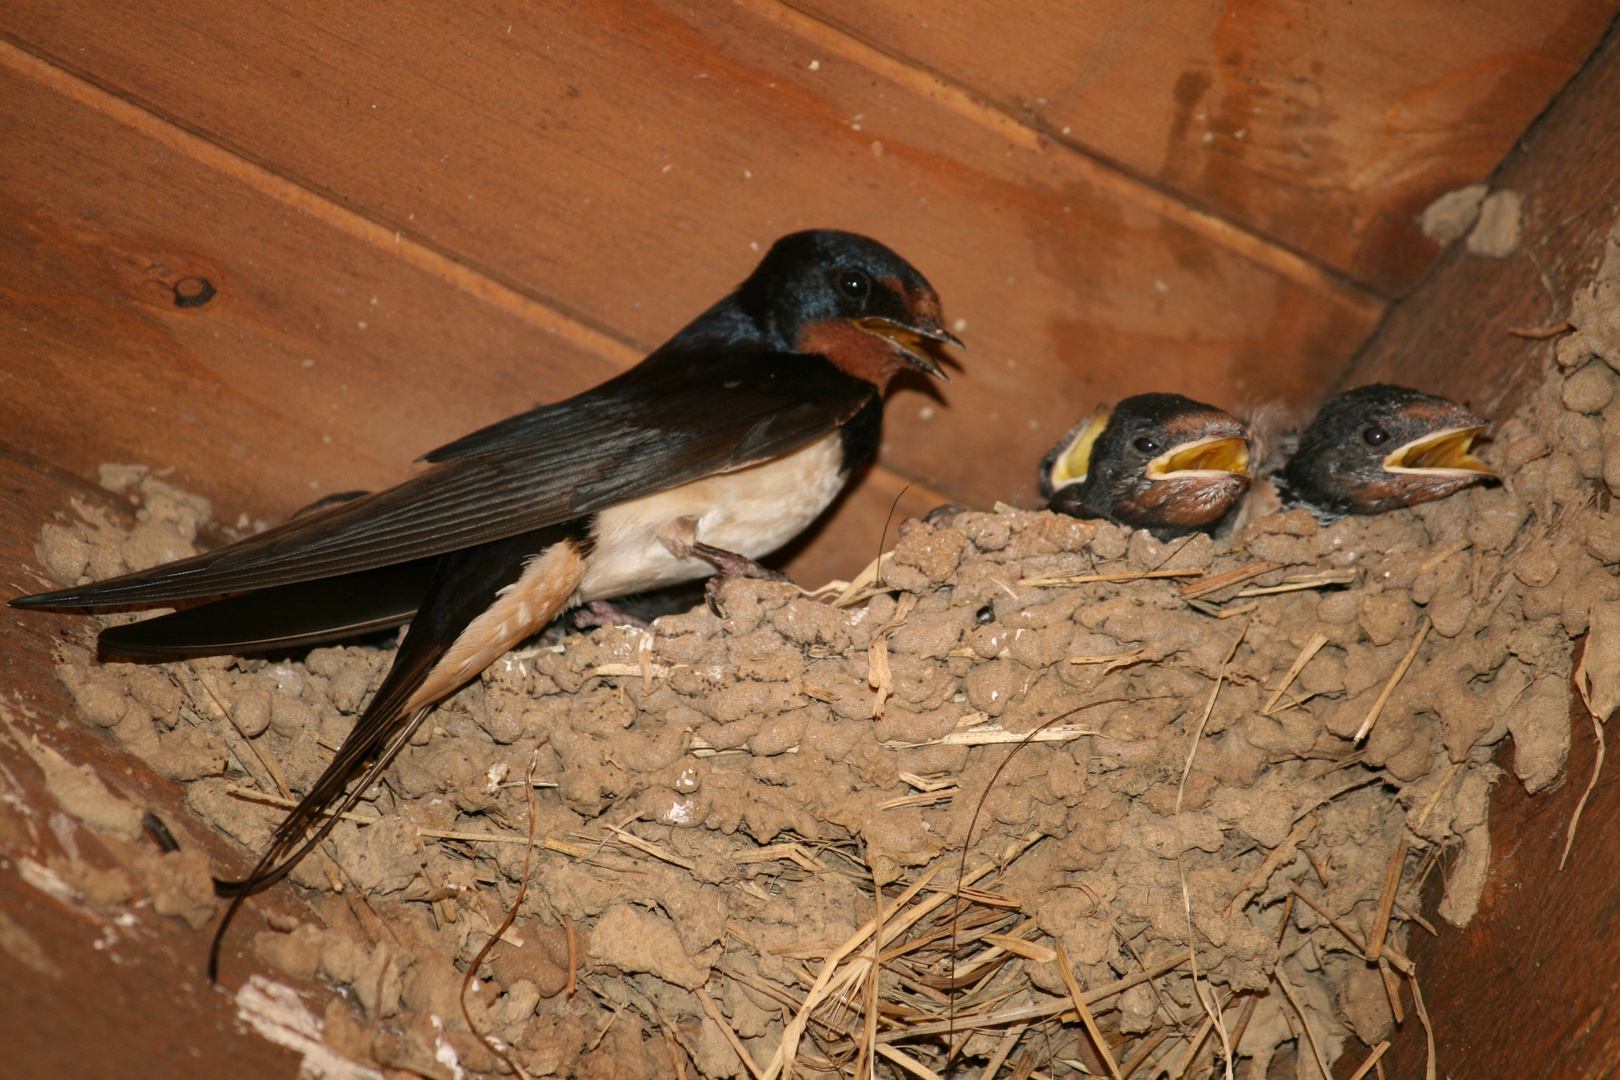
(674, 418)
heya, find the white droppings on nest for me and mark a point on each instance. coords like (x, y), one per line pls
(277, 1013)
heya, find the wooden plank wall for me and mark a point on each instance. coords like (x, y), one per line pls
(1324, 127)
(421, 218)
(1456, 333)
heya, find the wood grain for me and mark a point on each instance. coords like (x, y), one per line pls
(1328, 127)
(321, 364)
(531, 146)
(1452, 336)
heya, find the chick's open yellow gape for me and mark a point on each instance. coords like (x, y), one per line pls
(1445, 453)
(1202, 457)
(1073, 464)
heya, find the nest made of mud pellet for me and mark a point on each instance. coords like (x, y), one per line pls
(1077, 765)
(1125, 803)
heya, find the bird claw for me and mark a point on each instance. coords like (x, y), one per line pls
(606, 613)
(732, 566)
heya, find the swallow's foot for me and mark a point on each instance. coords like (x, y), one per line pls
(732, 566)
(941, 517)
(606, 613)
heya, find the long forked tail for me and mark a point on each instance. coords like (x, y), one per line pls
(480, 602)
(282, 618)
(277, 863)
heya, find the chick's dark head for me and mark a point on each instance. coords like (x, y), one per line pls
(850, 299)
(1381, 447)
(1155, 461)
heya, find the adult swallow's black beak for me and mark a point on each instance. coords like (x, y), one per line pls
(909, 340)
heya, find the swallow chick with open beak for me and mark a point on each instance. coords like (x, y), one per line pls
(1381, 447)
(715, 450)
(1159, 462)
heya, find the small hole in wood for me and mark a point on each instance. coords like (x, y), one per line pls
(193, 292)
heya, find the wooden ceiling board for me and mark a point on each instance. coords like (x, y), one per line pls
(322, 363)
(1456, 334)
(1327, 126)
(530, 145)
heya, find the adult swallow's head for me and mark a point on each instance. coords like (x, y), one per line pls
(850, 299)
(1154, 461)
(1381, 447)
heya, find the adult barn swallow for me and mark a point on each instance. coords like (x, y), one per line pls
(1159, 462)
(715, 450)
(1381, 447)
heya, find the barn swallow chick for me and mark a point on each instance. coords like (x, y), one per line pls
(1159, 462)
(1381, 447)
(715, 450)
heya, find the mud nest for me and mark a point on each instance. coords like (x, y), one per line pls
(1161, 798)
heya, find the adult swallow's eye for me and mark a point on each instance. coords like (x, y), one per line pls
(854, 284)
(1375, 436)
(1146, 445)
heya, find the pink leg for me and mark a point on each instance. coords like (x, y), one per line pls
(604, 613)
(731, 566)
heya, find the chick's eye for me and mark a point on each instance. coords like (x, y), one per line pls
(854, 283)
(1146, 445)
(1375, 436)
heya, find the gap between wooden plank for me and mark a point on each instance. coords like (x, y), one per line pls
(849, 43)
(621, 351)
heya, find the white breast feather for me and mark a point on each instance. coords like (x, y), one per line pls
(751, 512)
